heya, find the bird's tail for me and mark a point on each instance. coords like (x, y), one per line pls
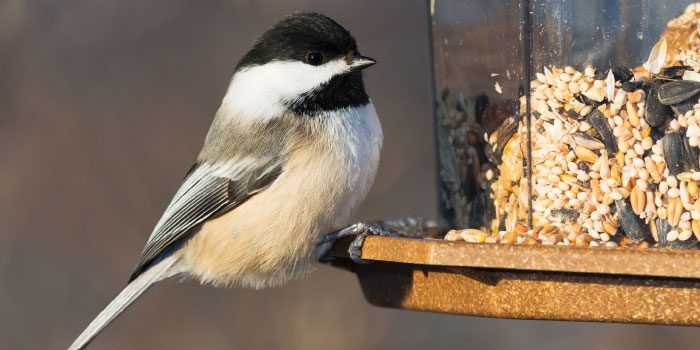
(161, 270)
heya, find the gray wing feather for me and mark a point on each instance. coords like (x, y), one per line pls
(208, 191)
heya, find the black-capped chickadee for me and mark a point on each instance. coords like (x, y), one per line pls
(291, 153)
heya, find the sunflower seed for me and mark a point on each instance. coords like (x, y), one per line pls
(631, 223)
(602, 128)
(675, 154)
(678, 91)
(656, 112)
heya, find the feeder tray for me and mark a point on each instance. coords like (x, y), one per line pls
(650, 286)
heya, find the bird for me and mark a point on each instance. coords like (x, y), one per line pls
(291, 153)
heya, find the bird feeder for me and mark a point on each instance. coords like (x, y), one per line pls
(568, 162)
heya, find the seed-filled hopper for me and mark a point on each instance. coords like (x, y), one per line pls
(568, 145)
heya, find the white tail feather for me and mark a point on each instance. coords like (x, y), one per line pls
(128, 295)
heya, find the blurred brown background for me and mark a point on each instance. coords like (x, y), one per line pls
(103, 107)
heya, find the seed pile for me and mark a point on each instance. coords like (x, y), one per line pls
(465, 171)
(615, 154)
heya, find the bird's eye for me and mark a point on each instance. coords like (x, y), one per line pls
(314, 58)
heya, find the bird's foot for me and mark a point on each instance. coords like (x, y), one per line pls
(405, 227)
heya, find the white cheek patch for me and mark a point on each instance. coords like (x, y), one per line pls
(260, 93)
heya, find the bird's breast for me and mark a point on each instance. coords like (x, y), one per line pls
(273, 235)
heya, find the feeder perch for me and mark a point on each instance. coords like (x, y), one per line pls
(652, 286)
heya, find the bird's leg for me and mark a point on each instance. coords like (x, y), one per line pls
(406, 227)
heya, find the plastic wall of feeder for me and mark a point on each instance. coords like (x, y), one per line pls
(478, 72)
(570, 118)
(597, 33)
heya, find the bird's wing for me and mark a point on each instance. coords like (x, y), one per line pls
(208, 190)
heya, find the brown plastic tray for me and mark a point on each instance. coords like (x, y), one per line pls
(654, 286)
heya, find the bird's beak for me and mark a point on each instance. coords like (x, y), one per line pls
(361, 62)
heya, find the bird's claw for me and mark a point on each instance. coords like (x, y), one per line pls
(355, 249)
(361, 230)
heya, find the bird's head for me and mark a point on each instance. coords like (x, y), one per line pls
(305, 64)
